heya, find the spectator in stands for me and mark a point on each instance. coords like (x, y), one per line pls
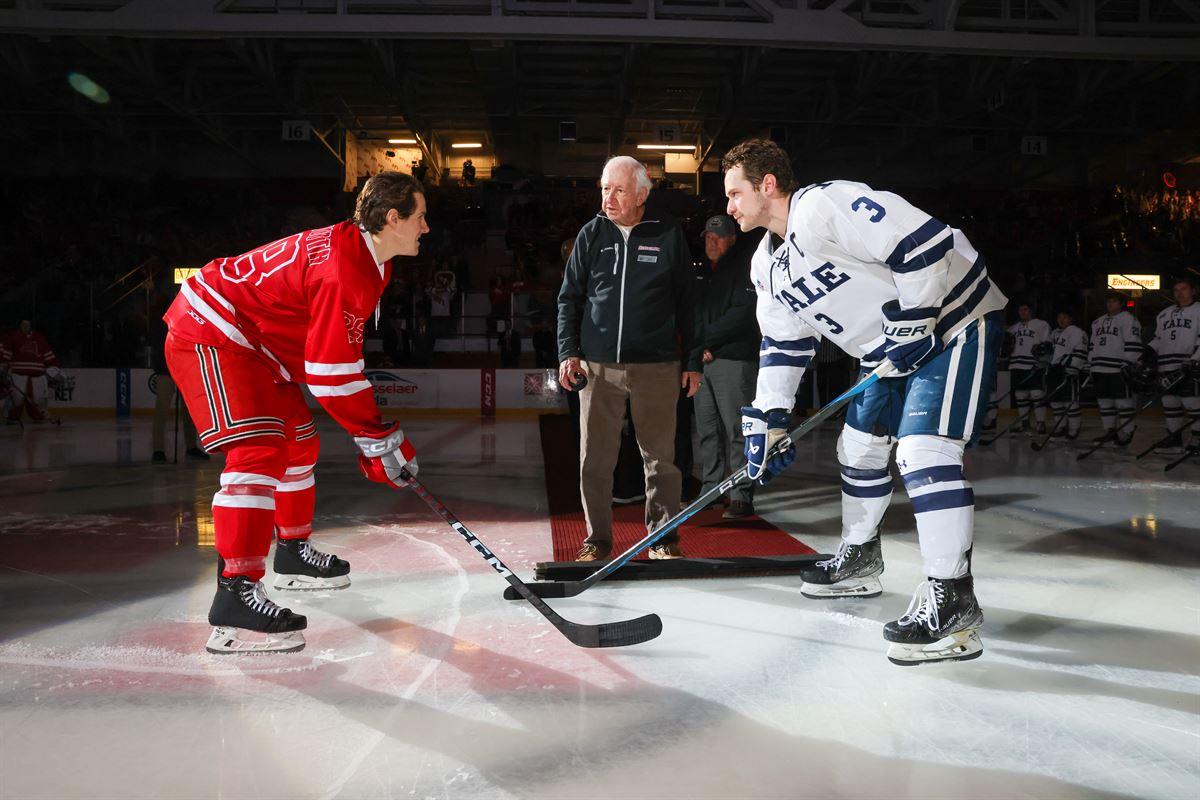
(468, 173)
(625, 315)
(728, 338)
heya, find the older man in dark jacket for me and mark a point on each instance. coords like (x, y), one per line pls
(625, 321)
(728, 338)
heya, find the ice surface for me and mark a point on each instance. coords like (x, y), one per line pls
(419, 681)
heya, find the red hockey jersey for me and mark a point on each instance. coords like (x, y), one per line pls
(301, 303)
(27, 355)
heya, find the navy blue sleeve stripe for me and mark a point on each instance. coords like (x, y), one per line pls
(914, 240)
(807, 343)
(928, 258)
(967, 281)
(784, 360)
(947, 323)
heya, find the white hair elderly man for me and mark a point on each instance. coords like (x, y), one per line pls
(625, 323)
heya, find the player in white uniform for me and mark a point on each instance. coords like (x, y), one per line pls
(1066, 362)
(1177, 344)
(1027, 370)
(881, 280)
(1116, 343)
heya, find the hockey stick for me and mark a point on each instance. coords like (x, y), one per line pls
(611, 634)
(1191, 452)
(572, 588)
(1111, 435)
(1039, 446)
(1155, 446)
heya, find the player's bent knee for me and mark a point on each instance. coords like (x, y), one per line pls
(924, 451)
(860, 450)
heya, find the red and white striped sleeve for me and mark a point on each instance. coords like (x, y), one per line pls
(333, 360)
(44, 350)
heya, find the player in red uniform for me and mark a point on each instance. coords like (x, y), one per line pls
(26, 355)
(245, 333)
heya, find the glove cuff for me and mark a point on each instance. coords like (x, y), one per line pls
(907, 324)
(379, 443)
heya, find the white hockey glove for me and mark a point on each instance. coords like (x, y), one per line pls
(387, 456)
(762, 430)
(911, 341)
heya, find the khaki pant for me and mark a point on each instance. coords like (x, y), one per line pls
(652, 390)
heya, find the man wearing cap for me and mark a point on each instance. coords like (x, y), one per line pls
(727, 338)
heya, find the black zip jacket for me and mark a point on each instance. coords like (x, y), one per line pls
(726, 310)
(629, 303)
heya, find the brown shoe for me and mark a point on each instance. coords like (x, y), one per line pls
(664, 551)
(739, 509)
(592, 552)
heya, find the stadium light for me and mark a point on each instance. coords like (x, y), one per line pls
(666, 147)
(467, 145)
(402, 141)
(88, 88)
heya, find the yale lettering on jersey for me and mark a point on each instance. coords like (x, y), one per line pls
(811, 287)
(1177, 322)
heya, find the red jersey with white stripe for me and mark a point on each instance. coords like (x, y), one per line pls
(300, 304)
(27, 354)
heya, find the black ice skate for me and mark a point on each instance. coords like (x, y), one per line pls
(1173, 446)
(853, 572)
(941, 624)
(1041, 429)
(245, 620)
(299, 565)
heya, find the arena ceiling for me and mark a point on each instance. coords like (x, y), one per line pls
(834, 73)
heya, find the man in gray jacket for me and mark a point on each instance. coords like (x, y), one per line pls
(625, 322)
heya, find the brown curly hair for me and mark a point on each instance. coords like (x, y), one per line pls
(383, 192)
(760, 157)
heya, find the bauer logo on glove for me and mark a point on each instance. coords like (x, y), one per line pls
(911, 339)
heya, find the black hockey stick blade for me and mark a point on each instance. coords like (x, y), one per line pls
(551, 589)
(1180, 460)
(609, 634)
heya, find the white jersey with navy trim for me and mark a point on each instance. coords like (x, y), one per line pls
(848, 250)
(1116, 341)
(1070, 347)
(1026, 336)
(1177, 336)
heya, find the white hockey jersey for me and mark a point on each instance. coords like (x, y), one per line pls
(1177, 336)
(1116, 341)
(1070, 347)
(1026, 336)
(848, 250)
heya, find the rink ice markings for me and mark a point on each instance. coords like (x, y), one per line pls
(375, 738)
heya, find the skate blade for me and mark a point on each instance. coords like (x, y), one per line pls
(224, 641)
(961, 646)
(307, 583)
(859, 587)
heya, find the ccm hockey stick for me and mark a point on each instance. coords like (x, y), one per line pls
(572, 588)
(1112, 435)
(611, 634)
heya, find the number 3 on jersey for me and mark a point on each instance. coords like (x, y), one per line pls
(866, 203)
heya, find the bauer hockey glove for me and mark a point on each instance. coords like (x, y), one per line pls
(762, 430)
(911, 341)
(385, 454)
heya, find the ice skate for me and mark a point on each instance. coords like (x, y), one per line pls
(941, 624)
(1041, 429)
(299, 565)
(245, 620)
(853, 572)
(1173, 446)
